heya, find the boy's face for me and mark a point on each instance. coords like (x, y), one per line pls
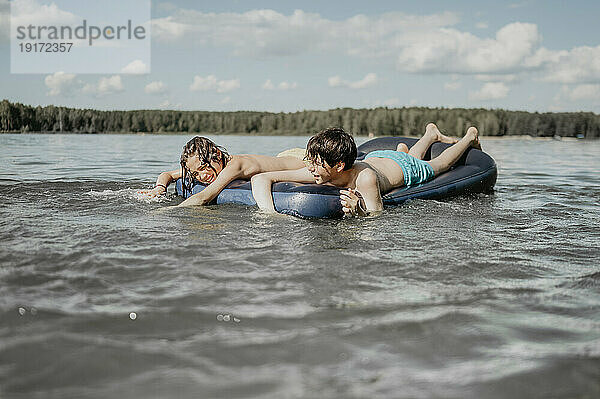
(204, 173)
(321, 170)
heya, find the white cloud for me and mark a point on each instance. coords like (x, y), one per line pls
(168, 29)
(260, 33)
(490, 91)
(26, 12)
(418, 43)
(60, 83)
(335, 81)
(415, 43)
(204, 84)
(110, 85)
(136, 67)
(211, 83)
(105, 86)
(449, 50)
(36, 13)
(224, 86)
(369, 80)
(579, 65)
(155, 88)
(582, 92)
(287, 86)
(268, 85)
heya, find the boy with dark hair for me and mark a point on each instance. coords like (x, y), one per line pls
(332, 145)
(210, 164)
(330, 158)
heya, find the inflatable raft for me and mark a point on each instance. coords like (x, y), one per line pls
(475, 172)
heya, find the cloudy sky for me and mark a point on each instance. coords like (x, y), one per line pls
(287, 56)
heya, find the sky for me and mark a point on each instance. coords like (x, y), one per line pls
(529, 55)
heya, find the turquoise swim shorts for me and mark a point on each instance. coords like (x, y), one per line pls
(415, 170)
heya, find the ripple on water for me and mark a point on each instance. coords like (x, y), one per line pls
(479, 296)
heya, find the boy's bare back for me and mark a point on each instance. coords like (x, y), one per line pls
(251, 164)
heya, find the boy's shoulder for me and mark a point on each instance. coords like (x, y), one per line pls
(236, 162)
(362, 174)
(246, 165)
(245, 158)
(365, 174)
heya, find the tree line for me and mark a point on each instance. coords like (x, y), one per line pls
(383, 121)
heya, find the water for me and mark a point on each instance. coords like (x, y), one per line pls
(104, 293)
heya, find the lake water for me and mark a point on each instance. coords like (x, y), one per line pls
(104, 294)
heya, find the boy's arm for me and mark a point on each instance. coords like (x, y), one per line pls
(261, 185)
(369, 201)
(231, 172)
(162, 182)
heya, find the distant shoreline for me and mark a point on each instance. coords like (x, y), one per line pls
(509, 137)
(382, 121)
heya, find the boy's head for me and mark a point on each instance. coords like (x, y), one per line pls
(332, 145)
(203, 160)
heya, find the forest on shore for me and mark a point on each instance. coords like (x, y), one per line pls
(383, 121)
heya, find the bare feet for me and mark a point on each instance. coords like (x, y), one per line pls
(402, 148)
(431, 128)
(474, 137)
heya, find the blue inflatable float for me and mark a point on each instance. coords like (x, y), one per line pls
(475, 172)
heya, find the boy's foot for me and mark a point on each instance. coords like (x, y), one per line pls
(431, 128)
(474, 137)
(402, 148)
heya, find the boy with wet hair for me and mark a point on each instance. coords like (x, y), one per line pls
(332, 145)
(208, 163)
(331, 154)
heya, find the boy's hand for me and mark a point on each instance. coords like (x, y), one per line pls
(350, 201)
(155, 192)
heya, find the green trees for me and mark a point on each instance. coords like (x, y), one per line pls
(383, 121)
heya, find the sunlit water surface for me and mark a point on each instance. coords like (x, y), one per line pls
(104, 293)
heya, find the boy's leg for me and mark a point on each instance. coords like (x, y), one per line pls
(450, 155)
(432, 135)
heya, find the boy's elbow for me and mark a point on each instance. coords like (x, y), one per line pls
(166, 175)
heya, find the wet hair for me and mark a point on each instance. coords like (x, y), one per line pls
(207, 151)
(332, 145)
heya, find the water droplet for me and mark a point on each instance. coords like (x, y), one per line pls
(33, 311)
(226, 317)
(219, 317)
(133, 315)
(22, 311)
(236, 319)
